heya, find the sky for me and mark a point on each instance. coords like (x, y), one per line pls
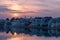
(31, 8)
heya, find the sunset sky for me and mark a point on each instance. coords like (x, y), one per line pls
(21, 8)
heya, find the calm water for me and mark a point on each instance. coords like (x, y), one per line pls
(4, 36)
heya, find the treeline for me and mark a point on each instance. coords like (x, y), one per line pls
(36, 25)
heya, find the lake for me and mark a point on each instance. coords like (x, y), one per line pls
(4, 36)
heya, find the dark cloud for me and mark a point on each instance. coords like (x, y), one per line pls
(3, 9)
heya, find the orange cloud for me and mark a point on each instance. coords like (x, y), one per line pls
(22, 8)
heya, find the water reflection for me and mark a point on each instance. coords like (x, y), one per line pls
(4, 36)
(23, 37)
(15, 38)
(15, 33)
(28, 37)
